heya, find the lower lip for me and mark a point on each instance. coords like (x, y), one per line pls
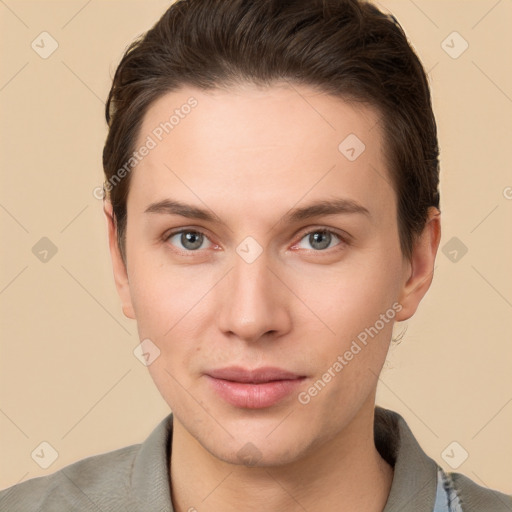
(254, 396)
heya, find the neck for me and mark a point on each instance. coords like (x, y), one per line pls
(346, 470)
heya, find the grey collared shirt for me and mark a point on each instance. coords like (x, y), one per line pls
(136, 479)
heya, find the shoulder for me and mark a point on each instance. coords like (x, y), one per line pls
(93, 483)
(420, 480)
(475, 498)
(129, 479)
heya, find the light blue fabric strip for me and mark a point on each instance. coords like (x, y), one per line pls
(446, 497)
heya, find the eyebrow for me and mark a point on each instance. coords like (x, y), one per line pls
(335, 206)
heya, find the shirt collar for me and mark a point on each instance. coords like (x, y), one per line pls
(414, 481)
(149, 485)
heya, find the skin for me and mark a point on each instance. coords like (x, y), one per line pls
(249, 155)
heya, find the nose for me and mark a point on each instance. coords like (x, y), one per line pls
(253, 302)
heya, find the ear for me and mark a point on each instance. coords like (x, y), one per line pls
(420, 268)
(118, 266)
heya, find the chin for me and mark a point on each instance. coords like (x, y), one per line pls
(254, 447)
(254, 454)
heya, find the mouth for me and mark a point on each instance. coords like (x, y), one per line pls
(253, 389)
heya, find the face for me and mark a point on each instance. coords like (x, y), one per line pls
(264, 264)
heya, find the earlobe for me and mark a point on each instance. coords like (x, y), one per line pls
(118, 266)
(421, 266)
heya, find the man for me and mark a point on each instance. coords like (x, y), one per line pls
(273, 208)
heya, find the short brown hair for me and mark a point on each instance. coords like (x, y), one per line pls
(347, 48)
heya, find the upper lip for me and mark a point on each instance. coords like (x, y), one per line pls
(255, 376)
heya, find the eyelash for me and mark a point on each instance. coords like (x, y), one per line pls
(344, 240)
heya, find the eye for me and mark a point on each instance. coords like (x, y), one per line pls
(320, 239)
(190, 239)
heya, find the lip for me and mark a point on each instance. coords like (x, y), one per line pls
(253, 389)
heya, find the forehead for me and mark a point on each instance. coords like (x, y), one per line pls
(267, 144)
(250, 116)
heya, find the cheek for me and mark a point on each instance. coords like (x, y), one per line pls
(353, 296)
(155, 309)
(164, 308)
(160, 294)
(359, 304)
(169, 305)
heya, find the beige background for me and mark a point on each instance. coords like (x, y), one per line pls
(68, 373)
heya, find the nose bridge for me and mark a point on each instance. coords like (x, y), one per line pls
(251, 306)
(251, 279)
